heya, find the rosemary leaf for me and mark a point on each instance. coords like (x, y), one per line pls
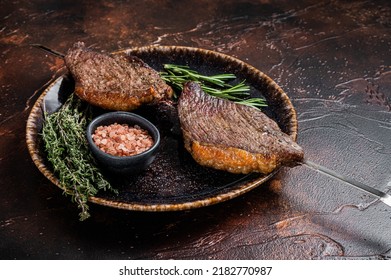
(215, 85)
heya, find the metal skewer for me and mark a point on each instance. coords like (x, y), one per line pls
(56, 53)
(384, 197)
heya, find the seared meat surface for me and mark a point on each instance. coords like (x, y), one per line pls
(218, 133)
(228, 136)
(114, 82)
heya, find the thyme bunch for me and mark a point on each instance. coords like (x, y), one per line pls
(216, 85)
(67, 150)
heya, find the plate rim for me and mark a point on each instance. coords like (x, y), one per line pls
(32, 134)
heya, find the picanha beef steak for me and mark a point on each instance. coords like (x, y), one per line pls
(114, 82)
(228, 136)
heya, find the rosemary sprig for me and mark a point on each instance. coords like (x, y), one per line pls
(67, 150)
(216, 85)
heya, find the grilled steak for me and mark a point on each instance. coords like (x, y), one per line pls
(114, 82)
(228, 136)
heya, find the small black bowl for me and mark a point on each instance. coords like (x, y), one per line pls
(123, 164)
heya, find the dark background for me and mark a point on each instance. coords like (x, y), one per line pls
(331, 57)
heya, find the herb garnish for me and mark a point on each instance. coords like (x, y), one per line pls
(67, 150)
(216, 85)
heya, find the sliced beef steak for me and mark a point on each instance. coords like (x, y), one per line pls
(228, 136)
(114, 82)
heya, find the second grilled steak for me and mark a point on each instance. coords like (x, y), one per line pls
(114, 82)
(228, 136)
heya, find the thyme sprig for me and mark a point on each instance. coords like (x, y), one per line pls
(215, 85)
(67, 150)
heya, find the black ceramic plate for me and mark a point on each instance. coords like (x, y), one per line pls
(174, 181)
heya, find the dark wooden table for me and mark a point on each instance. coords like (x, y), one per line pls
(333, 60)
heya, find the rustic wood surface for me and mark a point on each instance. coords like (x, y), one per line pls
(331, 57)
